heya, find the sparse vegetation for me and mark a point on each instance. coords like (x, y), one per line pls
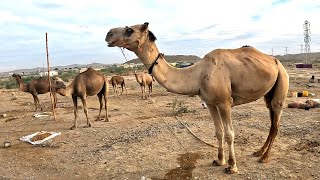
(179, 107)
(67, 75)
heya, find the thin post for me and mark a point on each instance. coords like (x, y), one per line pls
(51, 94)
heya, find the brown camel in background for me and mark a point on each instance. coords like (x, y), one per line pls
(115, 80)
(223, 78)
(40, 86)
(144, 80)
(87, 83)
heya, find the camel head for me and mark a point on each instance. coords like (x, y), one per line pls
(130, 37)
(16, 76)
(59, 83)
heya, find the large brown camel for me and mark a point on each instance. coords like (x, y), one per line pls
(115, 80)
(144, 79)
(223, 78)
(87, 83)
(40, 86)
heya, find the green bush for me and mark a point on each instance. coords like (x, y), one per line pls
(67, 75)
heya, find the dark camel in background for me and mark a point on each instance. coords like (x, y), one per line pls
(223, 78)
(40, 86)
(115, 80)
(87, 83)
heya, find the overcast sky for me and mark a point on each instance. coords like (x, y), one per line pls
(76, 29)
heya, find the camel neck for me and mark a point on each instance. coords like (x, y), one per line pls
(176, 80)
(22, 86)
(138, 78)
(67, 91)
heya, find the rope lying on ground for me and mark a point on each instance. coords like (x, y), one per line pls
(208, 144)
(194, 134)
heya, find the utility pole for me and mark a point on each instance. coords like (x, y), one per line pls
(286, 50)
(272, 51)
(307, 38)
(301, 48)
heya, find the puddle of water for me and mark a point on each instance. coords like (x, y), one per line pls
(184, 171)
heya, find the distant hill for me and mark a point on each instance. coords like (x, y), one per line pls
(300, 58)
(54, 67)
(286, 59)
(172, 59)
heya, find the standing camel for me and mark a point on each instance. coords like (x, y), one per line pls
(40, 86)
(223, 78)
(87, 83)
(115, 80)
(144, 80)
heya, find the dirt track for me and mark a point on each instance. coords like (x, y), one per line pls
(144, 141)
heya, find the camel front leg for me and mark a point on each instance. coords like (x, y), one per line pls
(145, 92)
(125, 88)
(115, 90)
(121, 89)
(142, 91)
(150, 90)
(37, 102)
(225, 113)
(75, 111)
(219, 133)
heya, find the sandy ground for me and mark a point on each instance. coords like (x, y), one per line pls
(144, 141)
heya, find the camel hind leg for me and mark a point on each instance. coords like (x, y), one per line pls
(105, 94)
(85, 109)
(101, 104)
(275, 100)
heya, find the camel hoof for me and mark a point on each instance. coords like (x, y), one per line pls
(258, 154)
(218, 163)
(73, 127)
(106, 120)
(264, 159)
(98, 119)
(230, 170)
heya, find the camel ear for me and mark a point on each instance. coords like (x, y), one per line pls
(144, 26)
(152, 37)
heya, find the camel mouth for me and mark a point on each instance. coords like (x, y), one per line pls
(111, 44)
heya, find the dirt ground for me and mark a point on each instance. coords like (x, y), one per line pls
(144, 141)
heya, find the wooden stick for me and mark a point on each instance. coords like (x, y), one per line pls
(51, 94)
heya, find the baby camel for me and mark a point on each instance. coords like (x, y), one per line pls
(115, 80)
(144, 80)
(40, 86)
(87, 83)
(223, 78)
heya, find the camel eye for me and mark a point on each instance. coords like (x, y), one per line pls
(128, 32)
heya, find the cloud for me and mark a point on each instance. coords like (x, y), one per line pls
(77, 29)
